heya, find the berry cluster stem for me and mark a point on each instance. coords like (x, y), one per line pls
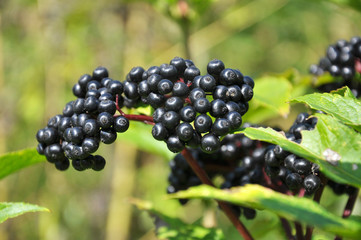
(349, 207)
(286, 226)
(202, 175)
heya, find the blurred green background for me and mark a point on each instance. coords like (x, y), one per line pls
(46, 45)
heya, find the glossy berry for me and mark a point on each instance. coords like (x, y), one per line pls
(218, 108)
(311, 183)
(105, 120)
(160, 132)
(174, 144)
(108, 136)
(185, 131)
(210, 143)
(121, 124)
(187, 114)
(294, 181)
(202, 105)
(215, 67)
(221, 127)
(98, 163)
(207, 83)
(99, 73)
(90, 145)
(203, 123)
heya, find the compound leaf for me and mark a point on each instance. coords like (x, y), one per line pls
(10, 209)
(290, 207)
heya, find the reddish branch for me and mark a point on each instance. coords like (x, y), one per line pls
(349, 207)
(202, 175)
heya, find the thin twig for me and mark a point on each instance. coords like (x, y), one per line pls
(349, 207)
(299, 231)
(287, 228)
(202, 175)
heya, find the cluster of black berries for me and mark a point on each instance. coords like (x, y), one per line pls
(85, 123)
(292, 170)
(190, 109)
(239, 160)
(342, 60)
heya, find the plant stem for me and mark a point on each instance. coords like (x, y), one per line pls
(316, 198)
(133, 117)
(299, 231)
(202, 175)
(184, 25)
(349, 207)
(286, 226)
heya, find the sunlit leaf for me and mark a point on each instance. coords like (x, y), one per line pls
(292, 208)
(332, 145)
(10, 210)
(13, 161)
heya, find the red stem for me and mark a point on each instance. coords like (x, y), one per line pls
(299, 231)
(202, 175)
(349, 207)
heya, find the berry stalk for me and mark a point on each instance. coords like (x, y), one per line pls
(286, 226)
(202, 175)
(349, 207)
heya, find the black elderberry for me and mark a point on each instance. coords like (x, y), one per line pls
(185, 131)
(228, 77)
(170, 120)
(98, 163)
(174, 144)
(78, 91)
(247, 92)
(218, 108)
(91, 127)
(156, 100)
(179, 64)
(99, 73)
(210, 143)
(78, 105)
(207, 83)
(115, 87)
(221, 127)
(160, 132)
(235, 93)
(190, 73)
(249, 81)
(105, 120)
(195, 94)
(91, 104)
(108, 136)
(220, 92)
(62, 165)
(294, 181)
(107, 106)
(173, 104)
(215, 67)
(180, 89)
(203, 123)
(169, 72)
(235, 120)
(131, 90)
(136, 74)
(121, 124)
(202, 105)
(90, 145)
(311, 183)
(165, 86)
(83, 81)
(143, 88)
(93, 85)
(54, 152)
(187, 114)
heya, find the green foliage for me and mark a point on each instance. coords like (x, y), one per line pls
(332, 145)
(273, 93)
(14, 161)
(341, 104)
(292, 208)
(10, 209)
(174, 229)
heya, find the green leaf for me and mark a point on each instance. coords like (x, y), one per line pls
(13, 161)
(292, 208)
(274, 98)
(174, 229)
(339, 104)
(344, 91)
(332, 145)
(140, 135)
(10, 209)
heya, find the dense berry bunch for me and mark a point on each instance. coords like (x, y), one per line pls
(239, 160)
(342, 60)
(85, 123)
(191, 109)
(292, 170)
